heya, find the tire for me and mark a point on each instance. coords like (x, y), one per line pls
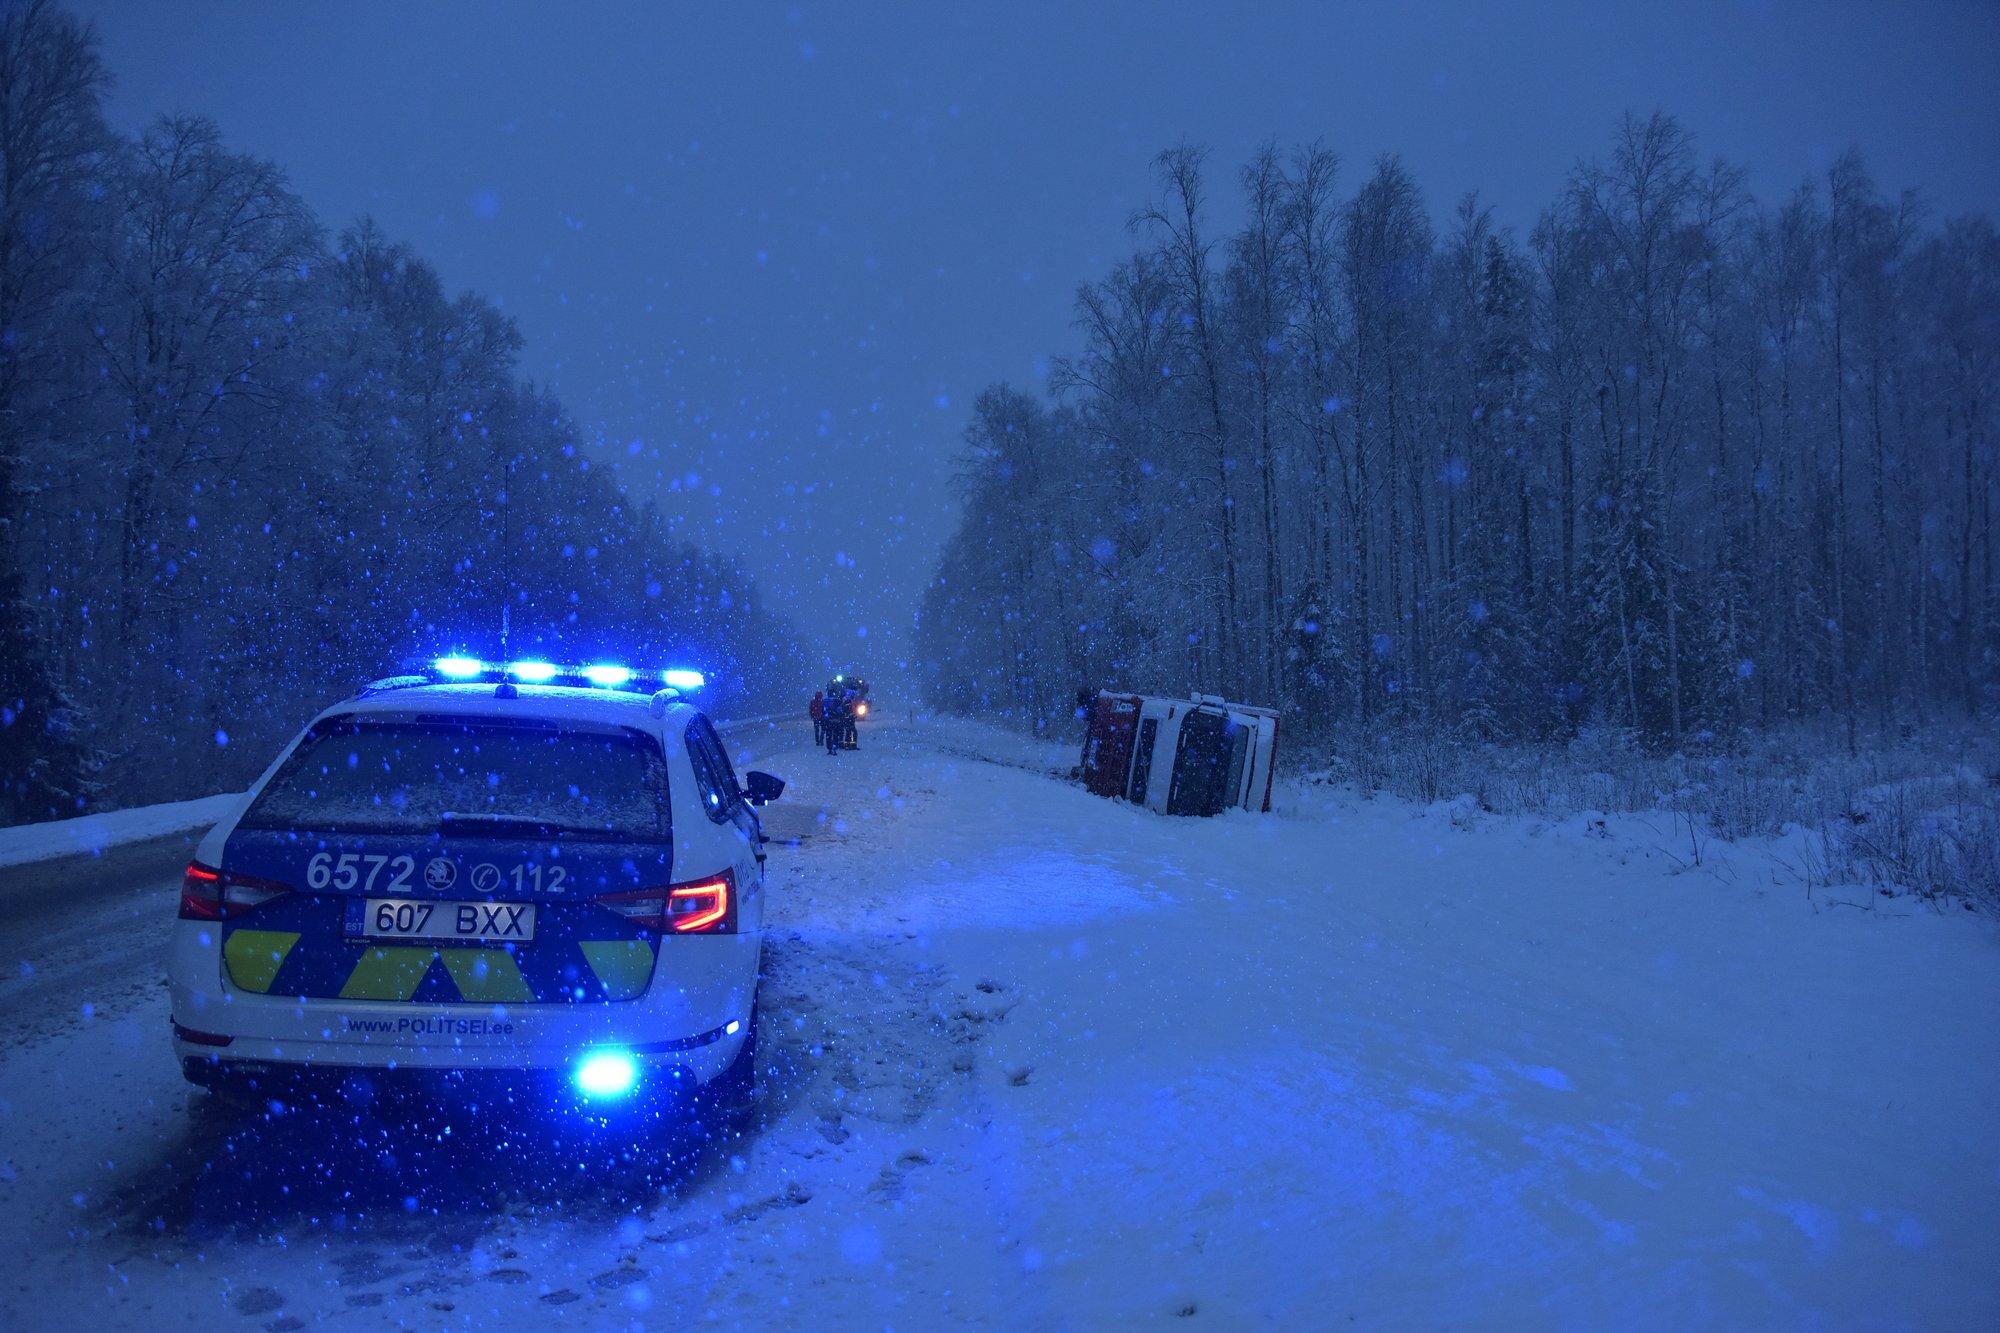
(731, 1099)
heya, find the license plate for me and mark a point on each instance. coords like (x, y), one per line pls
(407, 919)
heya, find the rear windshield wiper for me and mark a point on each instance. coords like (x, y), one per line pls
(452, 823)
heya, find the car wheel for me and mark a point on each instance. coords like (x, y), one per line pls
(732, 1097)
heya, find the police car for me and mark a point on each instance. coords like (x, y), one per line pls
(517, 867)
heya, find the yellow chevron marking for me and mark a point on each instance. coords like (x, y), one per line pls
(254, 956)
(388, 974)
(623, 966)
(486, 976)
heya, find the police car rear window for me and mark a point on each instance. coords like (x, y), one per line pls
(436, 775)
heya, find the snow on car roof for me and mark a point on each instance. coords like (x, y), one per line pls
(550, 703)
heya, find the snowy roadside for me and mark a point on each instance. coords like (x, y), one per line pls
(1915, 813)
(1042, 1060)
(94, 835)
(1720, 816)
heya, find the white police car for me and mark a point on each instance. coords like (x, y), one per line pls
(518, 867)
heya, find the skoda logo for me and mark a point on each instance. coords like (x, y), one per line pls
(440, 873)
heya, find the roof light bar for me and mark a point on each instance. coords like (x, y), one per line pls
(595, 675)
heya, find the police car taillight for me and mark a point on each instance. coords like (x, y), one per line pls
(201, 893)
(208, 894)
(707, 905)
(696, 907)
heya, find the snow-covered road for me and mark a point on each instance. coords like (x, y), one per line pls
(1044, 1060)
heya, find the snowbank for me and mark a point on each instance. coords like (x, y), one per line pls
(94, 835)
(1911, 814)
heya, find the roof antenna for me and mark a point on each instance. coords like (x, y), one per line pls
(505, 689)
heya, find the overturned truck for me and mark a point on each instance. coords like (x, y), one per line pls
(1197, 756)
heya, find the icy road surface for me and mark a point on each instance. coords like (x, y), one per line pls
(1042, 1060)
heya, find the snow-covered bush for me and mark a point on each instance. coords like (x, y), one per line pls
(1938, 837)
(1915, 813)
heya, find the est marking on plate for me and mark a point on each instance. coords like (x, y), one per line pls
(406, 919)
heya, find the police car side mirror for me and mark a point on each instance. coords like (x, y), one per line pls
(762, 787)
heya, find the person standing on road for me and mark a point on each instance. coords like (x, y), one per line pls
(833, 722)
(817, 710)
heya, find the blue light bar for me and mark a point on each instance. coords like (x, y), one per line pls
(609, 1073)
(536, 671)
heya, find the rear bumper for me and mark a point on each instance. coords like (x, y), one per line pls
(701, 988)
(661, 1085)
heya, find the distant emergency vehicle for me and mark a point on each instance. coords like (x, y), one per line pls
(853, 689)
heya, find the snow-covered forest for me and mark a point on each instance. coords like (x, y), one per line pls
(611, 621)
(1678, 461)
(249, 461)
